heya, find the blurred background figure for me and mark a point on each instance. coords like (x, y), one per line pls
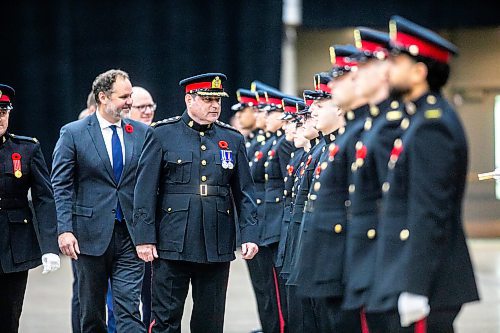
(91, 107)
(143, 107)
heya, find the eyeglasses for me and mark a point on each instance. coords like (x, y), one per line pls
(143, 108)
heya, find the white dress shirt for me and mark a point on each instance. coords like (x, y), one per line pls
(107, 134)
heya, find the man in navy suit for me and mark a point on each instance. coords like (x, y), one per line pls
(93, 178)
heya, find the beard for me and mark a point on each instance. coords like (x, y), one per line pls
(115, 112)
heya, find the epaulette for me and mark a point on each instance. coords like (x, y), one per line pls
(165, 121)
(220, 123)
(434, 111)
(24, 138)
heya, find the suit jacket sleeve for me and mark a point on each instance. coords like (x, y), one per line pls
(430, 201)
(63, 169)
(146, 190)
(43, 203)
(243, 190)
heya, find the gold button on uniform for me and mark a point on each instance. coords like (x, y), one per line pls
(179, 161)
(404, 234)
(317, 186)
(266, 177)
(202, 133)
(338, 228)
(259, 201)
(203, 162)
(25, 221)
(203, 178)
(169, 209)
(371, 233)
(352, 188)
(285, 192)
(266, 164)
(228, 211)
(277, 199)
(203, 147)
(386, 186)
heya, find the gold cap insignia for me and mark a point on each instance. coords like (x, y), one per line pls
(216, 83)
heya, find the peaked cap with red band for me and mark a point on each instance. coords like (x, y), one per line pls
(209, 84)
(371, 44)
(292, 107)
(415, 40)
(321, 84)
(7, 94)
(343, 60)
(246, 98)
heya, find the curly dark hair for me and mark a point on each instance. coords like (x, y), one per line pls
(104, 82)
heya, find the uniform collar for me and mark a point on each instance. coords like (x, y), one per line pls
(315, 141)
(193, 124)
(4, 138)
(329, 138)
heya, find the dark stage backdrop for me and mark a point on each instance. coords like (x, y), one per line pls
(435, 14)
(53, 50)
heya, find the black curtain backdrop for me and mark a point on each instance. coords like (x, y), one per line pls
(52, 51)
(435, 14)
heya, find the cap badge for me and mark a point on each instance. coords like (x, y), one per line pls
(216, 83)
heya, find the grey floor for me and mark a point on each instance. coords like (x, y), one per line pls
(48, 297)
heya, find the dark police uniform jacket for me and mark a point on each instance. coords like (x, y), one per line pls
(300, 190)
(24, 237)
(422, 248)
(195, 220)
(257, 170)
(320, 270)
(386, 122)
(289, 181)
(276, 163)
(253, 142)
(301, 196)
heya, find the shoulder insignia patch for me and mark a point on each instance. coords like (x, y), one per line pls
(433, 114)
(165, 121)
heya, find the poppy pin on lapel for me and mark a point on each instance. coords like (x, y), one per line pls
(129, 128)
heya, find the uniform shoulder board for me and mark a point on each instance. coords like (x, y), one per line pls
(433, 114)
(222, 124)
(24, 138)
(165, 121)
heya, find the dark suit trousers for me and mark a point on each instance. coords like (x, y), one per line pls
(13, 286)
(262, 277)
(438, 321)
(171, 280)
(75, 302)
(123, 267)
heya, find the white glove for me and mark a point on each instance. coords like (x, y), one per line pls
(51, 262)
(412, 308)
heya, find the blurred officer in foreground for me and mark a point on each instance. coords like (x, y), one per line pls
(24, 237)
(192, 184)
(424, 273)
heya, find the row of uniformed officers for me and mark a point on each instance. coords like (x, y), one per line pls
(359, 188)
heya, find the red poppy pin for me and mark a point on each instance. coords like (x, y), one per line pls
(129, 128)
(16, 165)
(334, 149)
(361, 152)
(223, 144)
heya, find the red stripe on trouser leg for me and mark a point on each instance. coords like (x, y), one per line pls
(364, 323)
(280, 313)
(151, 326)
(421, 326)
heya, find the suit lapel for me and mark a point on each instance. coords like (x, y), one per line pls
(128, 139)
(96, 136)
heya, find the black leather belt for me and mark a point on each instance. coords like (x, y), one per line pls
(203, 190)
